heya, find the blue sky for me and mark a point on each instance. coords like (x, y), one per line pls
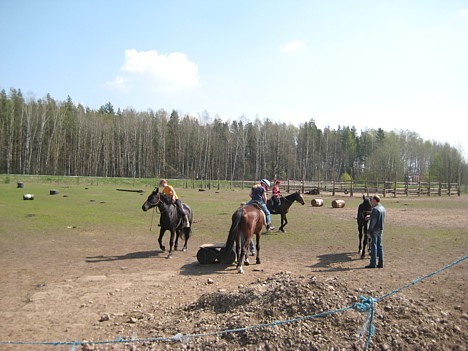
(370, 64)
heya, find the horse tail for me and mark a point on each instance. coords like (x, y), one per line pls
(236, 219)
(186, 232)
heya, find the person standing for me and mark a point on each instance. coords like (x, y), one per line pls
(375, 232)
(171, 193)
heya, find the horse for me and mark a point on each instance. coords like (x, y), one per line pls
(286, 202)
(364, 209)
(169, 220)
(247, 220)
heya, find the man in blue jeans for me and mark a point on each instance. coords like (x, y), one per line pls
(375, 232)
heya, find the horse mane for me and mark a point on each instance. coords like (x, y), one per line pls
(166, 199)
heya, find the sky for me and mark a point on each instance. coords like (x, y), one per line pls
(397, 65)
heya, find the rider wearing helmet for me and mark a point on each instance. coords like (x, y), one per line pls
(258, 194)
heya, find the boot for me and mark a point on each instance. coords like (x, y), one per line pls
(187, 222)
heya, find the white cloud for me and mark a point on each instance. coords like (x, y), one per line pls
(464, 13)
(157, 72)
(293, 46)
(118, 83)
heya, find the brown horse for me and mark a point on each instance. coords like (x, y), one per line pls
(246, 221)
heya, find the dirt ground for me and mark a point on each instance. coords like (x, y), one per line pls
(65, 289)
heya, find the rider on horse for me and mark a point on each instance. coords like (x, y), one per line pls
(258, 194)
(170, 192)
(276, 194)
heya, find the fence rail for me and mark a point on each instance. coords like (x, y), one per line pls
(349, 188)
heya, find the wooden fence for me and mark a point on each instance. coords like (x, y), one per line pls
(373, 187)
(308, 187)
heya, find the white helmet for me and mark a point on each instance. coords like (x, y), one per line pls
(266, 182)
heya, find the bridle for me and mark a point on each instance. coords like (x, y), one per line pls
(295, 199)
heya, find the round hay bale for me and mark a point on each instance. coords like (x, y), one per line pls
(317, 202)
(20, 185)
(54, 192)
(28, 196)
(207, 255)
(338, 203)
(229, 258)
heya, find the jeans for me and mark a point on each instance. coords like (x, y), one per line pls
(264, 208)
(376, 249)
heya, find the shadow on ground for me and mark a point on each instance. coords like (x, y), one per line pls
(128, 256)
(333, 262)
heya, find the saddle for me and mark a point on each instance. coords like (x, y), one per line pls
(257, 205)
(274, 208)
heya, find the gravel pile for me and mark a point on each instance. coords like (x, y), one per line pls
(400, 323)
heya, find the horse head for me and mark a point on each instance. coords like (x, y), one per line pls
(152, 201)
(366, 206)
(299, 198)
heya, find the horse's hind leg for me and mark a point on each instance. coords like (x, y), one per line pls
(258, 249)
(171, 243)
(176, 244)
(240, 258)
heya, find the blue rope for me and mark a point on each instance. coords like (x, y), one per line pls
(365, 305)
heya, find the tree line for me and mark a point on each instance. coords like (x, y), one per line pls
(49, 137)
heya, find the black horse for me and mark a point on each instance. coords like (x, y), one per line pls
(364, 209)
(170, 219)
(283, 209)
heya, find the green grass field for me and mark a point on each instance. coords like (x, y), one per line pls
(101, 207)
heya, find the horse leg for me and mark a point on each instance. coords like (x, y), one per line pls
(171, 243)
(284, 221)
(176, 244)
(365, 240)
(258, 249)
(187, 236)
(360, 237)
(240, 257)
(161, 234)
(245, 250)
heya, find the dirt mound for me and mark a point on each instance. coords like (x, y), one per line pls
(300, 314)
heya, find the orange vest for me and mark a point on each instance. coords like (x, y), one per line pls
(169, 191)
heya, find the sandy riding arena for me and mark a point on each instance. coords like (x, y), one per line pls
(82, 270)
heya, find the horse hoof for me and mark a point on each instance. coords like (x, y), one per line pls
(184, 249)
(247, 263)
(169, 256)
(240, 270)
(163, 248)
(258, 261)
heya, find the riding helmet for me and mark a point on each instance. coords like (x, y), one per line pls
(266, 182)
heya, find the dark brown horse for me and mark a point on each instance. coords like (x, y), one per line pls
(170, 219)
(246, 221)
(283, 209)
(364, 209)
